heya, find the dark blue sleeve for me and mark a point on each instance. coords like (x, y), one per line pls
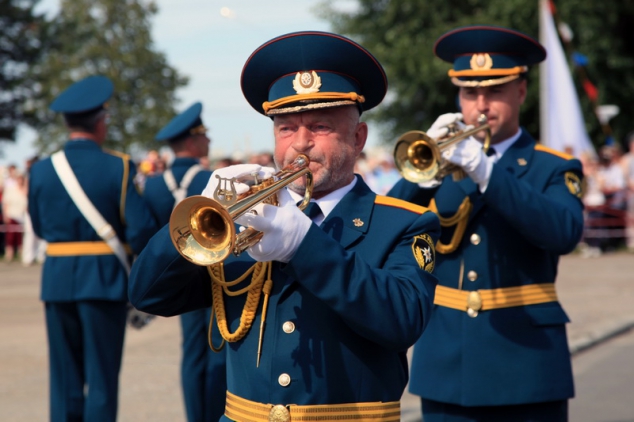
(140, 223)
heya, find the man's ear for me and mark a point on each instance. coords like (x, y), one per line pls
(522, 90)
(360, 136)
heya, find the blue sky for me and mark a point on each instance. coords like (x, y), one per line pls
(209, 41)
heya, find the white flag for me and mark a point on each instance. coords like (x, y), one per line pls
(562, 126)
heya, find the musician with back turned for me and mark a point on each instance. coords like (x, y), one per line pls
(495, 348)
(186, 135)
(83, 202)
(319, 314)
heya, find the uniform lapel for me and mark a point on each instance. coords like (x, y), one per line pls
(346, 223)
(515, 160)
(350, 219)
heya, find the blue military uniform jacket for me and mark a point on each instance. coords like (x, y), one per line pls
(107, 179)
(354, 293)
(158, 196)
(527, 217)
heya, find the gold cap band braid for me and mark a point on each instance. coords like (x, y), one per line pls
(351, 96)
(489, 72)
(486, 82)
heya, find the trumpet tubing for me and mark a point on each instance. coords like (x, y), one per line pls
(418, 156)
(203, 229)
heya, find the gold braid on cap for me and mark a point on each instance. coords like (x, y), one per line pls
(485, 83)
(352, 96)
(488, 72)
(507, 75)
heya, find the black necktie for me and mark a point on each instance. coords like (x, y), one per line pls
(312, 210)
(491, 152)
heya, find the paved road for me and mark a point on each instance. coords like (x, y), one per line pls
(597, 294)
(604, 382)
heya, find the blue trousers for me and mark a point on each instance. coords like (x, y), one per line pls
(203, 371)
(556, 411)
(85, 342)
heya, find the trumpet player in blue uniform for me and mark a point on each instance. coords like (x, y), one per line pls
(186, 135)
(495, 348)
(318, 315)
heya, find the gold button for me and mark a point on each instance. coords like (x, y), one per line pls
(284, 380)
(475, 239)
(288, 327)
(472, 275)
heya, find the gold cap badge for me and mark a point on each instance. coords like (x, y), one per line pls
(481, 61)
(306, 82)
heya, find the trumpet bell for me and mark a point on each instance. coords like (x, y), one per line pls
(202, 230)
(416, 156)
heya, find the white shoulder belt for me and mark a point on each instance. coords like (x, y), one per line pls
(88, 210)
(179, 192)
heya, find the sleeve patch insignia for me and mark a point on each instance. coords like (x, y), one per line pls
(574, 184)
(424, 252)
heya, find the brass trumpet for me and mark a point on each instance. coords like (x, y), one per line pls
(203, 230)
(417, 155)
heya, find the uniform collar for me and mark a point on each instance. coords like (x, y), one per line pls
(501, 147)
(329, 202)
(80, 143)
(184, 161)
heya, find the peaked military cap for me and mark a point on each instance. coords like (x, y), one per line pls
(487, 55)
(309, 70)
(186, 123)
(88, 95)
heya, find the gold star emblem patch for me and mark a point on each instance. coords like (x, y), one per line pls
(424, 252)
(574, 184)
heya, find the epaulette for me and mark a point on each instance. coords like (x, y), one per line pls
(540, 147)
(399, 203)
(122, 155)
(124, 179)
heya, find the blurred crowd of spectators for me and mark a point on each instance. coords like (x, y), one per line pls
(17, 239)
(608, 198)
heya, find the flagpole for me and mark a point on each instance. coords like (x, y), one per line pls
(543, 84)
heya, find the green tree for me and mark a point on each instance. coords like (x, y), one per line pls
(110, 38)
(401, 34)
(20, 44)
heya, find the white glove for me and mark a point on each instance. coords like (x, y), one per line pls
(440, 128)
(468, 154)
(284, 228)
(432, 183)
(237, 171)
